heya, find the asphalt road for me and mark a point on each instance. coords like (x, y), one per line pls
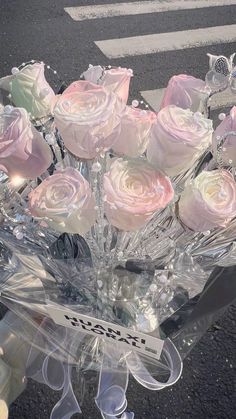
(33, 29)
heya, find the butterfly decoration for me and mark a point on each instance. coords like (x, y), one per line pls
(222, 73)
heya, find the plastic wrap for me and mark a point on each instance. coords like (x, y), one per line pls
(117, 301)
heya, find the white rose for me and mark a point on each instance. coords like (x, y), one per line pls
(30, 90)
(66, 200)
(209, 201)
(133, 192)
(178, 138)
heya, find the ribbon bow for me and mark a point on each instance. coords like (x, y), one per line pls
(222, 73)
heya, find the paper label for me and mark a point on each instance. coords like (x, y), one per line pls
(130, 339)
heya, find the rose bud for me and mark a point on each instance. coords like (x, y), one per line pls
(133, 192)
(178, 138)
(30, 90)
(186, 92)
(209, 201)
(23, 151)
(66, 201)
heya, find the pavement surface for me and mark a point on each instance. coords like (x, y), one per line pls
(33, 29)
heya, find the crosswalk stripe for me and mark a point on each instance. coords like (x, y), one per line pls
(153, 97)
(220, 100)
(140, 7)
(160, 42)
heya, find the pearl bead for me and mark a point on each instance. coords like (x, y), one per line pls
(153, 287)
(14, 70)
(135, 103)
(19, 235)
(16, 230)
(96, 167)
(221, 116)
(50, 139)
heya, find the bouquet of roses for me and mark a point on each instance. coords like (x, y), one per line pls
(113, 218)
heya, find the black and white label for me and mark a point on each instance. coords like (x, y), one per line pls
(130, 339)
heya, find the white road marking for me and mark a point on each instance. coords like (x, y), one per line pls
(220, 100)
(153, 97)
(160, 42)
(140, 7)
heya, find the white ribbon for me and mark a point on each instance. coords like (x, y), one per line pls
(144, 377)
(114, 374)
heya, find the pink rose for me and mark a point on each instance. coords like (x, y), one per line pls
(88, 118)
(227, 154)
(178, 138)
(30, 90)
(116, 79)
(66, 200)
(135, 129)
(23, 151)
(186, 92)
(133, 192)
(209, 201)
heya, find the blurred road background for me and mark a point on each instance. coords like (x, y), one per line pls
(157, 39)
